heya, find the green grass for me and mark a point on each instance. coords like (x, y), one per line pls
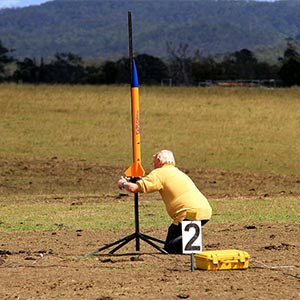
(28, 214)
(256, 210)
(32, 214)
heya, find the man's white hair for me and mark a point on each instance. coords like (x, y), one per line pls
(165, 156)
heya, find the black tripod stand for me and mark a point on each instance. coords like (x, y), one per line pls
(136, 235)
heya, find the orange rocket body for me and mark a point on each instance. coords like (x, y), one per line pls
(135, 170)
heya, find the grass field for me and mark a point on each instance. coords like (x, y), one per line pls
(223, 128)
(62, 149)
(32, 214)
(253, 129)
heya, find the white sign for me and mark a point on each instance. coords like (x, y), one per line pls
(191, 237)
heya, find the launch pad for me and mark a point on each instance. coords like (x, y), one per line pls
(135, 171)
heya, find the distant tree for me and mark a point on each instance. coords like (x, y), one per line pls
(291, 51)
(289, 72)
(27, 71)
(203, 70)
(179, 63)
(5, 59)
(94, 75)
(240, 65)
(265, 71)
(120, 69)
(66, 68)
(151, 70)
(110, 72)
(243, 57)
(227, 70)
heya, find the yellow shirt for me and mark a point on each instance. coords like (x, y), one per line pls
(178, 192)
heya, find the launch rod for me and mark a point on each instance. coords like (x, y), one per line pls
(130, 40)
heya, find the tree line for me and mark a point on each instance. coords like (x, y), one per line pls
(182, 68)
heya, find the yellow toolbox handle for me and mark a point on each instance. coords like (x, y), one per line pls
(242, 256)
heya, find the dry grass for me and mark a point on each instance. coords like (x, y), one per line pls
(225, 128)
(254, 129)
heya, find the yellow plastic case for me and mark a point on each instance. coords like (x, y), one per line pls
(222, 260)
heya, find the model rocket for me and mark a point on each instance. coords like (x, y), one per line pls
(136, 169)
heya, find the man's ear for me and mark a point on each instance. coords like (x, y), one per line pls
(160, 163)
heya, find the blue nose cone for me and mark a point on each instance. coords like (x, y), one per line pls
(134, 79)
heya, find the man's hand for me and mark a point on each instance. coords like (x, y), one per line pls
(122, 182)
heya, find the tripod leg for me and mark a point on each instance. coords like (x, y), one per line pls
(124, 241)
(128, 239)
(152, 238)
(152, 244)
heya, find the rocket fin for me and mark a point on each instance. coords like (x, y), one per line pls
(135, 170)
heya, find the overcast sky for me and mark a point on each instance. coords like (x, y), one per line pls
(22, 3)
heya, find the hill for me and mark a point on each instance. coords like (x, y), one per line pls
(98, 29)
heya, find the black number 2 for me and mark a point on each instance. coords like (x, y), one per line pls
(189, 246)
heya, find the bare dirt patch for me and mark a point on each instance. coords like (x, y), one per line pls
(54, 176)
(52, 264)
